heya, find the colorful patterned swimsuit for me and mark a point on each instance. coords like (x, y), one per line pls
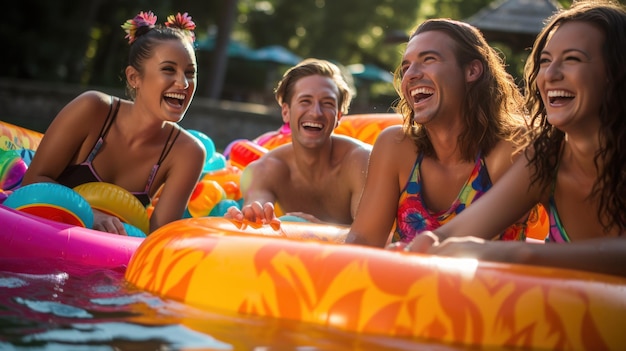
(557, 233)
(413, 216)
(84, 172)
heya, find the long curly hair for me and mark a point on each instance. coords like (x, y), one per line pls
(493, 104)
(546, 141)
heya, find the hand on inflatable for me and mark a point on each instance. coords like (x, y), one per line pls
(397, 246)
(254, 214)
(107, 223)
(422, 243)
(473, 247)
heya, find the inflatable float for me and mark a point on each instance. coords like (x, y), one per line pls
(50, 221)
(26, 236)
(364, 127)
(301, 273)
(14, 137)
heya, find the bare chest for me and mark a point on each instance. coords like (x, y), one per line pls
(577, 210)
(441, 186)
(127, 166)
(328, 199)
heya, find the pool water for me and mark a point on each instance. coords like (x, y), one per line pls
(47, 305)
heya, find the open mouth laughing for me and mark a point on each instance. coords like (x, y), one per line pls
(420, 94)
(175, 99)
(312, 126)
(558, 97)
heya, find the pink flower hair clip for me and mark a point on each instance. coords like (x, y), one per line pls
(182, 22)
(143, 19)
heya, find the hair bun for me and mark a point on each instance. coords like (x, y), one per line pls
(142, 20)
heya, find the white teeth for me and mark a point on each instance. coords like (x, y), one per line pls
(312, 124)
(422, 90)
(559, 93)
(175, 96)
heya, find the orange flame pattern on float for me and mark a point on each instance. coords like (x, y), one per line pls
(375, 291)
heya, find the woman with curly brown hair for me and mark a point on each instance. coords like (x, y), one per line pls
(575, 162)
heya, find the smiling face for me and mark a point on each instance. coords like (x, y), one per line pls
(432, 81)
(313, 111)
(169, 78)
(572, 76)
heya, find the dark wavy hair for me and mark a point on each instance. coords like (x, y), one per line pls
(493, 104)
(546, 141)
(310, 67)
(147, 39)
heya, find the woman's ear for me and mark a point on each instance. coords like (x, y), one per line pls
(132, 76)
(473, 71)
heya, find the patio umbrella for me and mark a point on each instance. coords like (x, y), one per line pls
(276, 54)
(370, 72)
(235, 48)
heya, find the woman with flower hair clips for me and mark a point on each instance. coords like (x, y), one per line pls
(576, 157)
(133, 143)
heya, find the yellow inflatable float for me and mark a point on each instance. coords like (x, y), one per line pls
(302, 273)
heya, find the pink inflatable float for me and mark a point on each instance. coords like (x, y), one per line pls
(26, 236)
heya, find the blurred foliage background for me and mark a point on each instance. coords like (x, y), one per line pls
(81, 42)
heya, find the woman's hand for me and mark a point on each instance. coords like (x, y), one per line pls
(422, 243)
(487, 250)
(467, 246)
(107, 223)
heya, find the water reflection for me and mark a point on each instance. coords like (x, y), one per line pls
(46, 305)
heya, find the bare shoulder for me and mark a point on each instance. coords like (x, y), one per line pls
(500, 159)
(274, 163)
(392, 138)
(94, 99)
(348, 146)
(83, 115)
(187, 159)
(191, 147)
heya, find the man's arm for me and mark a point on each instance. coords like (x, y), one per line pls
(256, 183)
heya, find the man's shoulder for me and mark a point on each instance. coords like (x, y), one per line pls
(274, 160)
(354, 151)
(349, 143)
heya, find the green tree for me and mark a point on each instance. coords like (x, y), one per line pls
(351, 31)
(82, 42)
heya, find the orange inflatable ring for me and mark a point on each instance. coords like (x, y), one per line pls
(116, 201)
(208, 263)
(366, 127)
